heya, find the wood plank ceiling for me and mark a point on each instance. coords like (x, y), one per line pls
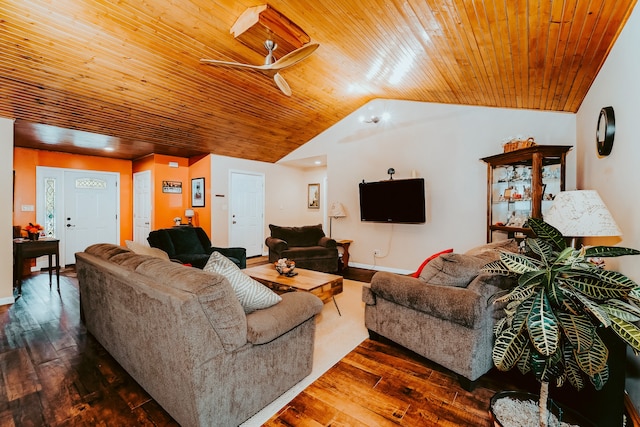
(129, 70)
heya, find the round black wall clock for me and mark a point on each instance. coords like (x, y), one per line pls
(606, 131)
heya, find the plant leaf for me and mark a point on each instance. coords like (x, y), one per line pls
(609, 251)
(579, 330)
(507, 349)
(524, 362)
(497, 267)
(601, 378)
(607, 276)
(547, 368)
(595, 288)
(627, 331)
(593, 360)
(621, 310)
(519, 293)
(572, 370)
(590, 306)
(543, 326)
(517, 263)
(541, 248)
(547, 232)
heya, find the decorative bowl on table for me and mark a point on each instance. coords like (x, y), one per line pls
(285, 267)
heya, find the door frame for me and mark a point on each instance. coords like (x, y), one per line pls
(59, 175)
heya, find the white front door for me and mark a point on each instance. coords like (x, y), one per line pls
(141, 206)
(90, 210)
(247, 212)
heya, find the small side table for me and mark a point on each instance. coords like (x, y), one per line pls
(344, 243)
(25, 249)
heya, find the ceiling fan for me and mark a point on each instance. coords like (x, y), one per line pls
(271, 66)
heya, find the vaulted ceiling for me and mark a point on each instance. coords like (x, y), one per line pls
(80, 75)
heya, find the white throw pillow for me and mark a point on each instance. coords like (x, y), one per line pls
(252, 294)
(146, 250)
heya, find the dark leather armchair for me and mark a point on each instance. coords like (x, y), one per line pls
(307, 246)
(191, 245)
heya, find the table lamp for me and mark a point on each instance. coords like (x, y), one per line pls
(189, 214)
(581, 213)
(335, 211)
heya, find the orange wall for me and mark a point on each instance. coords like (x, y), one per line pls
(200, 167)
(166, 206)
(25, 161)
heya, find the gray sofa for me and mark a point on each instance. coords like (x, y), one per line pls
(445, 314)
(183, 336)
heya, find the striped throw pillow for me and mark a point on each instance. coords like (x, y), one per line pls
(252, 295)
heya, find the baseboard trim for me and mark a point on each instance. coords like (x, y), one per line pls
(379, 268)
(7, 301)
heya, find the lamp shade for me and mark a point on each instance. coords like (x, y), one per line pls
(188, 213)
(581, 213)
(337, 210)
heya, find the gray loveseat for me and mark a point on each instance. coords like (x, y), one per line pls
(445, 314)
(307, 246)
(183, 336)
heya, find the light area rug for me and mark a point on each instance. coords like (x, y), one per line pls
(336, 336)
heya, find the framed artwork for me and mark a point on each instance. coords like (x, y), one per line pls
(172, 187)
(197, 192)
(313, 200)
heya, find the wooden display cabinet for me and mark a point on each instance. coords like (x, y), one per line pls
(521, 184)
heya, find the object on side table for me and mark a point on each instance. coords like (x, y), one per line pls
(307, 246)
(191, 245)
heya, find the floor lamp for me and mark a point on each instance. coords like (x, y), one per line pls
(335, 211)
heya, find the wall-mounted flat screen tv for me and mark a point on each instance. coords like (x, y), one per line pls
(393, 201)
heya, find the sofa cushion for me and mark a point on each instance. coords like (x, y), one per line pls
(308, 235)
(186, 241)
(252, 295)
(491, 251)
(452, 270)
(309, 252)
(429, 259)
(146, 250)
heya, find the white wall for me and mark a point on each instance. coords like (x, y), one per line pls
(285, 195)
(443, 143)
(6, 214)
(617, 176)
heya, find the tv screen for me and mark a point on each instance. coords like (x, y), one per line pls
(393, 201)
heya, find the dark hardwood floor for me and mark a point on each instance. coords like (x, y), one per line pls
(54, 373)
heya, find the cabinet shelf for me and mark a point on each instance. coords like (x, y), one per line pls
(534, 175)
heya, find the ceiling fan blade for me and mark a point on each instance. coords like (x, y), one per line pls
(282, 84)
(294, 57)
(231, 64)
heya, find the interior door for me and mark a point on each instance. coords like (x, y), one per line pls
(90, 210)
(141, 206)
(247, 212)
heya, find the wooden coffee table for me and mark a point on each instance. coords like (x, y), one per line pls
(323, 285)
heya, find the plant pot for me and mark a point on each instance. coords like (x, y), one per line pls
(34, 236)
(568, 415)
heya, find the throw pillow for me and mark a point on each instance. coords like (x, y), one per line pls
(426, 261)
(146, 250)
(252, 294)
(452, 270)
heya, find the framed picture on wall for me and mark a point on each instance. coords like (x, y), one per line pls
(314, 196)
(172, 187)
(197, 192)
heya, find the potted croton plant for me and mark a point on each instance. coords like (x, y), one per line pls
(555, 312)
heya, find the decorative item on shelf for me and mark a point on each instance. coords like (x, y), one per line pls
(518, 143)
(177, 221)
(189, 213)
(285, 267)
(33, 230)
(335, 211)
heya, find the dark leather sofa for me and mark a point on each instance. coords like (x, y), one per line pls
(191, 245)
(307, 246)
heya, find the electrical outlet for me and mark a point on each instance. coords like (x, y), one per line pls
(376, 252)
